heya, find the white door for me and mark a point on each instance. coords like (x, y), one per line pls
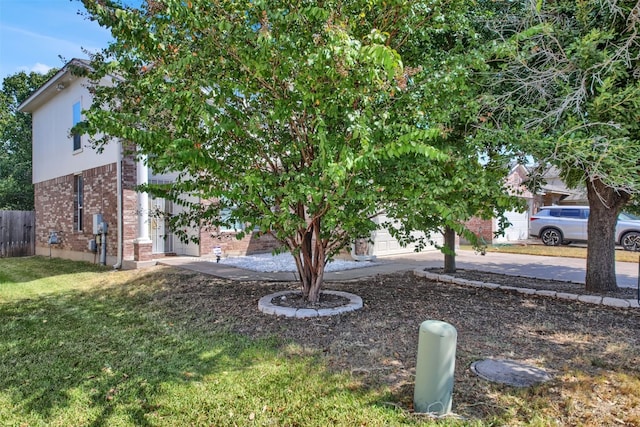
(519, 228)
(385, 244)
(186, 248)
(161, 236)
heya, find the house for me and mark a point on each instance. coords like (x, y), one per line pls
(74, 184)
(553, 191)
(519, 228)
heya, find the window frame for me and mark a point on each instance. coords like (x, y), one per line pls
(76, 117)
(237, 227)
(78, 202)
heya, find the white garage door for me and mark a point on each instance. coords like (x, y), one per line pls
(518, 230)
(385, 244)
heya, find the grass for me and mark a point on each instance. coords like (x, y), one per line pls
(557, 251)
(83, 346)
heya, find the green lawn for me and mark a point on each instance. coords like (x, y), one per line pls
(557, 251)
(84, 346)
(81, 345)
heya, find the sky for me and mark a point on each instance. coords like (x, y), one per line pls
(34, 34)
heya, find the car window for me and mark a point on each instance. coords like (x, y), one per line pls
(626, 216)
(552, 212)
(570, 213)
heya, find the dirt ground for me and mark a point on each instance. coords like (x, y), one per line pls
(378, 343)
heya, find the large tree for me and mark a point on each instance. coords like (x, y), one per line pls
(16, 189)
(437, 199)
(289, 116)
(569, 80)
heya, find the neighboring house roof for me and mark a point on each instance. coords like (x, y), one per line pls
(55, 84)
(516, 178)
(555, 185)
(556, 189)
(578, 195)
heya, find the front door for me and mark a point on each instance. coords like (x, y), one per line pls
(160, 232)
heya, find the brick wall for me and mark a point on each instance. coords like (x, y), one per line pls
(129, 207)
(251, 243)
(54, 206)
(480, 227)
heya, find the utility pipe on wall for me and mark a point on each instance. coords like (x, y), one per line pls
(119, 213)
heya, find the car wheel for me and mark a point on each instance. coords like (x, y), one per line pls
(631, 241)
(551, 237)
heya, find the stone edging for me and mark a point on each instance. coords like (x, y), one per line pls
(589, 299)
(266, 306)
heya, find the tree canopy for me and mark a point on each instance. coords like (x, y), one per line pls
(568, 79)
(305, 119)
(16, 190)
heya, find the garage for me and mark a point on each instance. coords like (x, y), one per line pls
(385, 244)
(519, 228)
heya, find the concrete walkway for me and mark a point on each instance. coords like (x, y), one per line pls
(554, 268)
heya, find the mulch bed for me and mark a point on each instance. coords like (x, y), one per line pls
(378, 343)
(295, 300)
(538, 284)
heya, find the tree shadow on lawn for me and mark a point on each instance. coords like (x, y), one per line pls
(121, 354)
(169, 343)
(377, 345)
(28, 269)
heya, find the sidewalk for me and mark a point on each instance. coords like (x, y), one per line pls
(553, 268)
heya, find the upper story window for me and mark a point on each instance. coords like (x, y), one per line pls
(77, 117)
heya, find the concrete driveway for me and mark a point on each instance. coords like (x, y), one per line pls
(544, 267)
(554, 268)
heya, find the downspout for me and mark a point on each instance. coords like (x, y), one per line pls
(119, 215)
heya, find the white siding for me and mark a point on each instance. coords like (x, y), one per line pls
(385, 244)
(519, 228)
(53, 154)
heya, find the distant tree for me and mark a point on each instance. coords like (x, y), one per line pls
(292, 117)
(472, 182)
(16, 189)
(567, 84)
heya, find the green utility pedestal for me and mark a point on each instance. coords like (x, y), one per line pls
(434, 368)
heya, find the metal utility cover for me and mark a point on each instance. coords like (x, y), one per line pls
(509, 372)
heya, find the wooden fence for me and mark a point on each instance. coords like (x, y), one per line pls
(17, 233)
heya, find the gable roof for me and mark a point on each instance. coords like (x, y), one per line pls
(56, 83)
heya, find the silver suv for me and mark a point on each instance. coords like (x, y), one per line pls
(556, 225)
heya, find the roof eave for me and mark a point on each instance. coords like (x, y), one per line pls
(51, 86)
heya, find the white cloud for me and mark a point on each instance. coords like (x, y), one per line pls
(37, 68)
(41, 68)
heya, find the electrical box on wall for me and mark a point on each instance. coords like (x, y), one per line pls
(92, 246)
(97, 221)
(53, 238)
(99, 227)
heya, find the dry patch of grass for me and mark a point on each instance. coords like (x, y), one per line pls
(170, 347)
(556, 251)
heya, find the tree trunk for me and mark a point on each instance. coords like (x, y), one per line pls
(604, 206)
(310, 262)
(450, 250)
